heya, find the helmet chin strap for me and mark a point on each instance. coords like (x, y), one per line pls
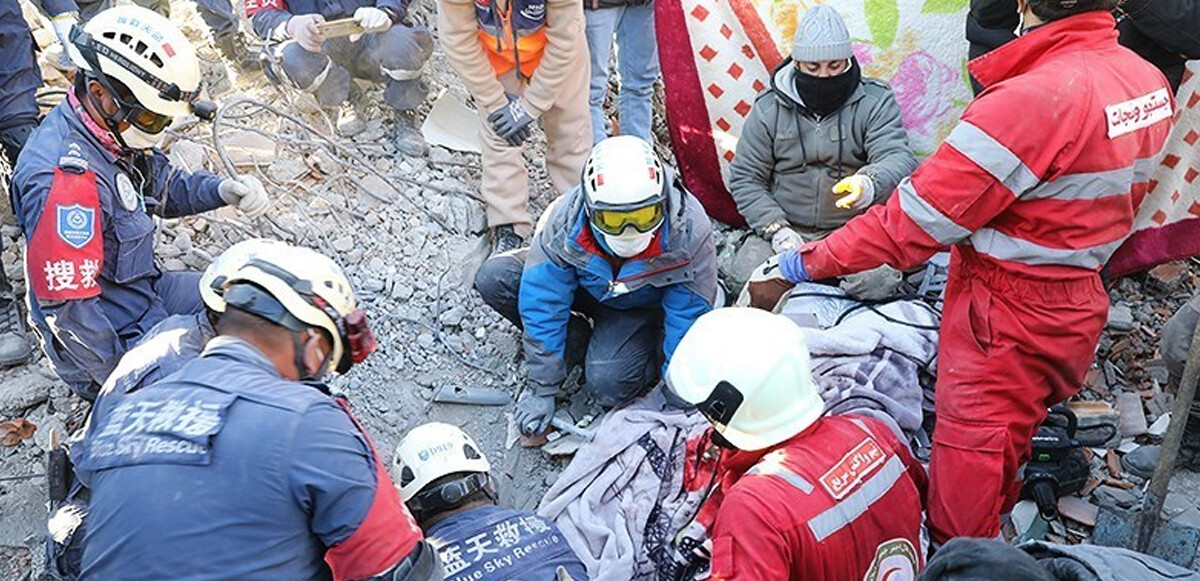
(111, 122)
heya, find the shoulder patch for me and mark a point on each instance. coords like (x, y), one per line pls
(895, 560)
(853, 468)
(72, 157)
(66, 251)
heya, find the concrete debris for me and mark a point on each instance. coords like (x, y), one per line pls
(1120, 319)
(1133, 418)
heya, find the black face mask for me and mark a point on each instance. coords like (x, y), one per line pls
(825, 95)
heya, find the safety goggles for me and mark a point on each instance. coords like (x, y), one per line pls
(615, 221)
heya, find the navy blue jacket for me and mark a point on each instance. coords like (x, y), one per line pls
(491, 543)
(85, 338)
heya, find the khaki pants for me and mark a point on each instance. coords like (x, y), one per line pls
(568, 129)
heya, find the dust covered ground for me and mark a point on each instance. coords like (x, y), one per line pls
(406, 222)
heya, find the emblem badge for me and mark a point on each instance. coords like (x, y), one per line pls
(75, 224)
(129, 196)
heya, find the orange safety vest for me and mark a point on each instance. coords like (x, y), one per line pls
(514, 36)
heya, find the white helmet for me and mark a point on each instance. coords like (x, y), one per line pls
(148, 55)
(228, 263)
(431, 451)
(747, 371)
(624, 187)
(309, 290)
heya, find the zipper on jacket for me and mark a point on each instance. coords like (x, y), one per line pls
(622, 282)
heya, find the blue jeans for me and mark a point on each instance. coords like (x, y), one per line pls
(637, 65)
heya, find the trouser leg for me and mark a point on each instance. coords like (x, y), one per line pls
(396, 58)
(568, 130)
(498, 282)
(180, 292)
(600, 27)
(505, 183)
(637, 61)
(1008, 350)
(624, 354)
(312, 72)
(218, 15)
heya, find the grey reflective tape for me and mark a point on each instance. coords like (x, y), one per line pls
(1144, 168)
(939, 227)
(1005, 247)
(1085, 186)
(993, 157)
(843, 513)
(774, 469)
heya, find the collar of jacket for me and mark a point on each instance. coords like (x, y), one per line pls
(227, 347)
(783, 85)
(1082, 32)
(564, 237)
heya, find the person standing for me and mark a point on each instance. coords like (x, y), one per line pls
(631, 24)
(1033, 190)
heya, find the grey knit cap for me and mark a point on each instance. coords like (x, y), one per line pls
(821, 36)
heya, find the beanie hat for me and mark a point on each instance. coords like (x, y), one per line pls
(964, 559)
(821, 36)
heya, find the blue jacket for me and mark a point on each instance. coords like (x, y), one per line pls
(271, 13)
(677, 274)
(491, 543)
(227, 471)
(85, 338)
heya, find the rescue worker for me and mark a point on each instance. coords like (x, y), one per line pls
(85, 188)
(631, 250)
(173, 342)
(226, 32)
(19, 82)
(446, 483)
(1163, 32)
(390, 52)
(241, 465)
(521, 60)
(819, 147)
(992, 560)
(1033, 190)
(631, 22)
(804, 496)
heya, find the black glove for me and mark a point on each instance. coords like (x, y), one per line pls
(511, 122)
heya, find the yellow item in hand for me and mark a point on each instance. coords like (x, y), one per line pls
(852, 187)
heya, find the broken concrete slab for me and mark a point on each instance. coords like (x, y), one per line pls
(1078, 510)
(1120, 319)
(1133, 417)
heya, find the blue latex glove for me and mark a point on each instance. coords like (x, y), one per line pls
(791, 265)
(511, 122)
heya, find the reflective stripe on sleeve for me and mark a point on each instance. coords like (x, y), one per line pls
(993, 157)
(937, 225)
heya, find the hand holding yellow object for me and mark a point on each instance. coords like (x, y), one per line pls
(859, 192)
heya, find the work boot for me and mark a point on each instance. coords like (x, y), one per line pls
(1142, 461)
(505, 239)
(236, 52)
(350, 118)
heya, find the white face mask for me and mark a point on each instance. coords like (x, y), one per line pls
(629, 245)
(135, 138)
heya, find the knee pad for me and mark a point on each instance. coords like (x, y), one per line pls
(402, 51)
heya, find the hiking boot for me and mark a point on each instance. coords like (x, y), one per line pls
(350, 119)
(235, 51)
(14, 347)
(1142, 461)
(505, 239)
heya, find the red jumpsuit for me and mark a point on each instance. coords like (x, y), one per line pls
(1035, 188)
(841, 500)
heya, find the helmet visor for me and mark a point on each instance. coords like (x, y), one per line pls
(644, 219)
(144, 119)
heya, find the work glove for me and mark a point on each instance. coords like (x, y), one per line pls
(534, 412)
(62, 29)
(512, 121)
(859, 192)
(246, 193)
(767, 286)
(785, 239)
(372, 19)
(306, 29)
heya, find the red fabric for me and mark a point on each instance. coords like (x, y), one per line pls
(1058, 79)
(64, 259)
(1009, 348)
(386, 536)
(1155, 246)
(255, 6)
(762, 529)
(687, 115)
